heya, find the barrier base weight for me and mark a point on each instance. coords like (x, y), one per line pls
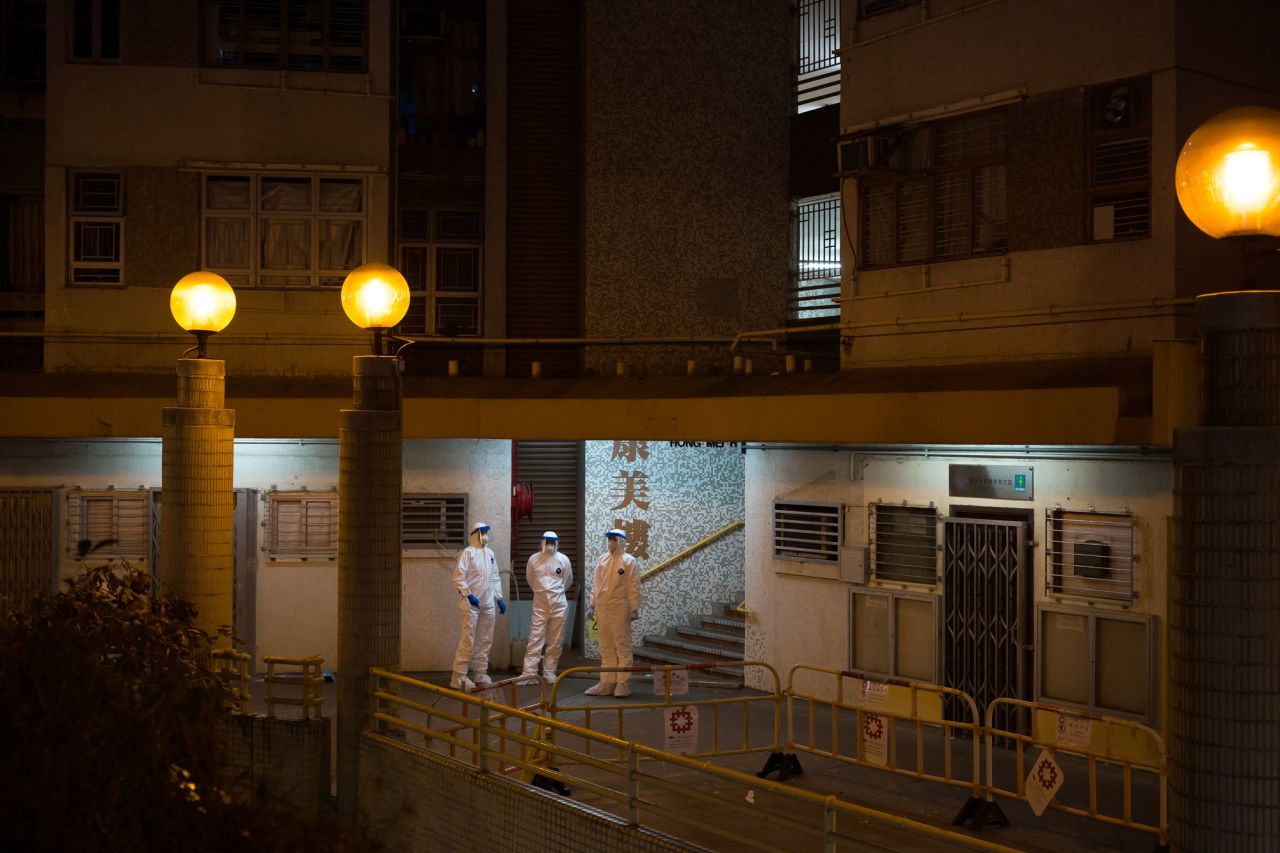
(969, 811)
(982, 813)
(785, 763)
(546, 783)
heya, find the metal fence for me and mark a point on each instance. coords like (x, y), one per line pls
(815, 260)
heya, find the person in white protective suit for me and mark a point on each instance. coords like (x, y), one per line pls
(549, 573)
(479, 590)
(615, 604)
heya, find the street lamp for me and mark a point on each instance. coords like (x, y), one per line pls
(202, 303)
(1224, 577)
(197, 458)
(375, 297)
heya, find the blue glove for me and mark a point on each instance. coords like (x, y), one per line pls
(475, 602)
(502, 607)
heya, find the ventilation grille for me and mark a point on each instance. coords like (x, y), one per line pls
(806, 531)
(904, 543)
(433, 521)
(1090, 555)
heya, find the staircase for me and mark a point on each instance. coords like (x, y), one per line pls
(719, 636)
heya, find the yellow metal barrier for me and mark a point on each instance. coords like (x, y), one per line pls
(772, 816)
(1111, 741)
(879, 704)
(310, 677)
(233, 668)
(508, 689)
(620, 710)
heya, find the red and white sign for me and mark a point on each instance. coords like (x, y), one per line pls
(1075, 731)
(1043, 782)
(875, 739)
(680, 729)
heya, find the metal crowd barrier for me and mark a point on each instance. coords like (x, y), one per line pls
(233, 668)
(619, 711)
(310, 676)
(1110, 733)
(635, 781)
(879, 705)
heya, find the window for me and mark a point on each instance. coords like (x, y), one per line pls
(1097, 660)
(1119, 152)
(95, 30)
(283, 230)
(97, 228)
(904, 543)
(440, 258)
(934, 193)
(895, 635)
(298, 35)
(815, 260)
(808, 532)
(1090, 555)
(817, 49)
(433, 521)
(22, 42)
(871, 8)
(121, 519)
(302, 525)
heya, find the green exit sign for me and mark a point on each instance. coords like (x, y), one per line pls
(1019, 482)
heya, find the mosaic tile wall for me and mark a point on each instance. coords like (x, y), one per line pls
(667, 496)
(286, 761)
(412, 800)
(687, 207)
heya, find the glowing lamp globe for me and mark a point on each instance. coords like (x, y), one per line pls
(375, 296)
(202, 302)
(1228, 174)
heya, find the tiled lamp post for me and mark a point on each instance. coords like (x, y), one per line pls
(198, 506)
(374, 297)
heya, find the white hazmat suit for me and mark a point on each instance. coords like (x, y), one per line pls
(615, 601)
(479, 590)
(549, 574)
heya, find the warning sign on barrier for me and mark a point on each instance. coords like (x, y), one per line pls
(680, 729)
(873, 694)
(1075, 731)
(490, 694)
(679, 681)
(875, 739)
(1043, 782)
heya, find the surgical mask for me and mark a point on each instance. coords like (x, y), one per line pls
(548, 546)
(615, 546)
(484, 538)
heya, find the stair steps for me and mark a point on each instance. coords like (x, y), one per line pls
(710, 638)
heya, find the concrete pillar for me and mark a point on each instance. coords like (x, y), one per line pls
(197, 511)
(369, 487)
(1224, 587)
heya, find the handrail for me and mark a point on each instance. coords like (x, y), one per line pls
(696, 546)
(832, 807)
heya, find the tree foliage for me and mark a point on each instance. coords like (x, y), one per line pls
(112, 729)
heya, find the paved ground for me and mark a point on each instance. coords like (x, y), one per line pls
(764, 817)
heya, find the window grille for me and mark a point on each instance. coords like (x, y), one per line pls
(121, 519)
(815, 260)
(298, 35)
(817, 43)
(1090, 555)
(440, 256)
(937, 192)
(904, 543)
(1119, 157)
(97, 227)
(282, 231)
(806, 531)
(433, 521)
(302, 525)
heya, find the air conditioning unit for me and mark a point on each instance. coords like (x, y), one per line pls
(868, 152)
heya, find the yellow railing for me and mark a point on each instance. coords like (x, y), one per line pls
(636, 793)
(620, 710)
(233, 668)
(311, 679)
(692, 549)
(1112, 740)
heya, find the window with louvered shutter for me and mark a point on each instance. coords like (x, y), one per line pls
(808, 532)
(904, 543)
(1119, 161)
(121, 519)
(302, 525)
(433, 521)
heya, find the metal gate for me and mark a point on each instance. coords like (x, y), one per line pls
(28, 546)
(985, 617)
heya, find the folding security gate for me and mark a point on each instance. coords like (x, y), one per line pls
(28, 545)
(985, 618)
